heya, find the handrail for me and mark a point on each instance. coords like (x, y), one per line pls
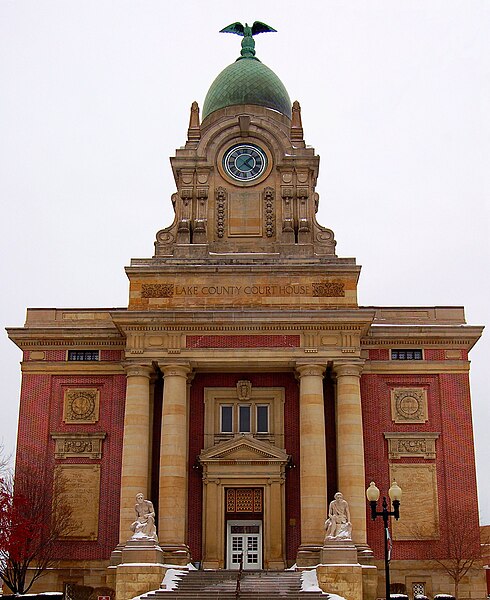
(239, 576)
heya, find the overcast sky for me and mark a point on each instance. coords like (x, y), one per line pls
(395, 96)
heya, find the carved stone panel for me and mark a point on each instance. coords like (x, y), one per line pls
(244, 217)
(409, 405)
(419, 444)
(71, 445)
(419, 513)
(79, 489)
(81, 405)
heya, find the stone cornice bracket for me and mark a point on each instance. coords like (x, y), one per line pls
(350, 369)
(194, 131)
(138, 370)
(244, 123)
(307, 369)
(176, 370)
(297, 138)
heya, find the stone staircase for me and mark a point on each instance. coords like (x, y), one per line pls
(221, 585)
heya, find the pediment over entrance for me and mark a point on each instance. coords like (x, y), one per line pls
(244, 449)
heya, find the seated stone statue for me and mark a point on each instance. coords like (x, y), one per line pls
(144, 526)
(338, 526)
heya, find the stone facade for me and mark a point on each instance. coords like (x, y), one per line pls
(244, 367)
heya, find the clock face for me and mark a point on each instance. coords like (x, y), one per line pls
(245, 162)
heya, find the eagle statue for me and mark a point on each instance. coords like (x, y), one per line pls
(248, 43)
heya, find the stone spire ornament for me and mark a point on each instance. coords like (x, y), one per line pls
(194, 130)
(297, 126)
(248, 43)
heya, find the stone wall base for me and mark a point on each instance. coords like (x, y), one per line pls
(133, 580)
(343, 580)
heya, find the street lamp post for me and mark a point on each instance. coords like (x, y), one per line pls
(395, 493)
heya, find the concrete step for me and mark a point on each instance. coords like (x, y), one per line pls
(221, 585)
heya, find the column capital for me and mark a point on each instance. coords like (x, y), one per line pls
(308, 369)
(176, 370)
(138, 370)
(350, 369)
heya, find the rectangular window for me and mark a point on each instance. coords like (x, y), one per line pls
(226, 419)
(262, 419)
(83, 355)
(244, 418)
(406, 355)
(418, 588)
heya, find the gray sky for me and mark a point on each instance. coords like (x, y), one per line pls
(395, 96)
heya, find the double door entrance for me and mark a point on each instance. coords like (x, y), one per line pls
(244, 543)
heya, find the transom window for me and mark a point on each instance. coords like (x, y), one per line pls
(83, 355)
(406, 354)
(244, 418)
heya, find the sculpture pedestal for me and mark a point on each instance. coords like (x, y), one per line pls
(340, 572)
(338, 552)
(141, 568)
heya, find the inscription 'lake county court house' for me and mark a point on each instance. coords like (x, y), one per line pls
(166, 290)
(243, 385)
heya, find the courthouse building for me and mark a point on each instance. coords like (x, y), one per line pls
(244, 385)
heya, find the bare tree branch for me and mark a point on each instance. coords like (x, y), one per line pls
(31, 523)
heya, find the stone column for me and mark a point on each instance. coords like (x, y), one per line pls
(313, 468)
(350, 446)
(135, 458)
(172, 513)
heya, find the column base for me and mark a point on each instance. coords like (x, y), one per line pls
(308, 555)
(176, 554)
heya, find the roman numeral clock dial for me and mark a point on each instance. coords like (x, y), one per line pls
(244, 162)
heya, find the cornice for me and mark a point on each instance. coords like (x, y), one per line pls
(54, 337)
(413, 335)
(241, 320)
(236, 265)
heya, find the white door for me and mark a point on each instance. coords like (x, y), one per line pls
(244, 539)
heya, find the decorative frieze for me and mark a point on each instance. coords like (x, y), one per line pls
(157, 290)
(78, 445)
(328, 289)
(418, 444)
(409, 405)
(81, 405)
(269, 211)
(220, 211)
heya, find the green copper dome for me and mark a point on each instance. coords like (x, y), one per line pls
(247, 81)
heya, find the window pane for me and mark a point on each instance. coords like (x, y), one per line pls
(244, 419)
(83, 355)
(262, 419)
(226, 419)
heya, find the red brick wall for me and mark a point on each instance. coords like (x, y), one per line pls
(196, 443)
(41, 413)
(449, 413)
(242, 341)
